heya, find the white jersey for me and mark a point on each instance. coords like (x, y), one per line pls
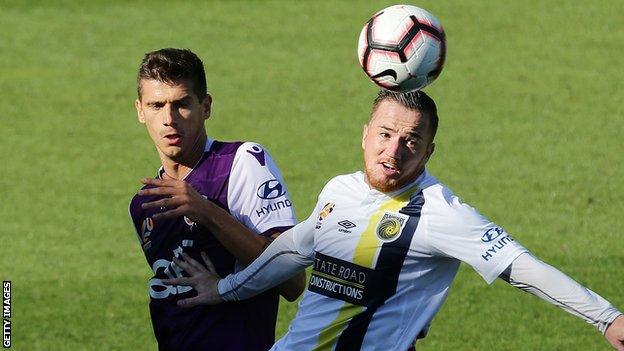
(383, 263)
(257, 195)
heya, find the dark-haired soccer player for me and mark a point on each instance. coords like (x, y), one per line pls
(386, 243)
(225, 199)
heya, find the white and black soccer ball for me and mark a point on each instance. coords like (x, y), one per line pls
(402, 48)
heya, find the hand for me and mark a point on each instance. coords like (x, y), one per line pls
(203, 279)
(180, 199)
(615, 333)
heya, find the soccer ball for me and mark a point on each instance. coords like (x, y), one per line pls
(402, 48)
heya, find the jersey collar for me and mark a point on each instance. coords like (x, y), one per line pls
(207, 147)
(374, 192)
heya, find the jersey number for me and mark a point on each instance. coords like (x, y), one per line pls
(159, 290)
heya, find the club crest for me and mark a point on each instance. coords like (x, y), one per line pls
(390, 226)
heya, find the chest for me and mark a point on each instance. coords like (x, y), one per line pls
(357, 229)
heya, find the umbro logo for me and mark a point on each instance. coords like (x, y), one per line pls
(346, 225)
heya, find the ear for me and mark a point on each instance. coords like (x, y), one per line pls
(207, 105)
(139, 109)
(364, 132)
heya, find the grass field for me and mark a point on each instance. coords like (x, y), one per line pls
(531, 134)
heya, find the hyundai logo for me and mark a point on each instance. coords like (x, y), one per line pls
(492, 234)
(271, 189)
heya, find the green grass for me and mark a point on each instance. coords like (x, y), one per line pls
(530, 134)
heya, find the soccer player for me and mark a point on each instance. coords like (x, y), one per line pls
(385, 245)
(226, 200)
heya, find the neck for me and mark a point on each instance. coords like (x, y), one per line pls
(179, 167)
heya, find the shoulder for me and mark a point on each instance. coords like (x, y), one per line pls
(344, 183)
(242, 156)
(250, 153)
(217, 147)
(253, 170)
(238, 148)
(445, 209)
(440, 195)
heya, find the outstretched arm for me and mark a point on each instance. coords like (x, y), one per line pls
(536, 277)
(279, 262)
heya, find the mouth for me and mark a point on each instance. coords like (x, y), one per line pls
(173, 139)
(390, 169)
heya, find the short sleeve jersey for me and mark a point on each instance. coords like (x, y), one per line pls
(383, 263)
(242, 179)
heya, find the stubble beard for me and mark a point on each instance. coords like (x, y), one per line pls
(383, 184)
(187, 152)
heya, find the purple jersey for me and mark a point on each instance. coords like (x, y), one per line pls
(231, 175)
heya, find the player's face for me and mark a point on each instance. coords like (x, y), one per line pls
(174, 118)
(397, 144)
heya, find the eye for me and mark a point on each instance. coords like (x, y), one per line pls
(384, 135)
(157, 105)
(180, 104)
(411, 143)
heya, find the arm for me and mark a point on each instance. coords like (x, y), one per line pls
(180, 199)
(534, 276)
(279, 262)
(245, 245)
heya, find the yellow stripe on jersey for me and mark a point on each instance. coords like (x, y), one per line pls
(369, 244)
(363, 255)
(327, 337)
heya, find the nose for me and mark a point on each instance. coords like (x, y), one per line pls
(168, 115)
(393, 148)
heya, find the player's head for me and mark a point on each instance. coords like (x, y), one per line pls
(173, 102)
(173, 66)
(398, 138)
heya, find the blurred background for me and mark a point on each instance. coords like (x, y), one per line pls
(531, 134)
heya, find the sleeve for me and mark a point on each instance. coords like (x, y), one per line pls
(290, 253)
(303, 233)
(135, 222)
(457, 230)
(280, 261)
(257, 193)
(546, 282)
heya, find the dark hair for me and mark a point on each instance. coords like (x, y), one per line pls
(415, 100)
(171, 66)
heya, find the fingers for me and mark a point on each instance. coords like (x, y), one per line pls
(161, 190)
(203, 280)
(187, 267)
(188, 259)
(616, 343)
(178, 281)
(208, 262)
(176, 212)
(158, 182)
(169, 202)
